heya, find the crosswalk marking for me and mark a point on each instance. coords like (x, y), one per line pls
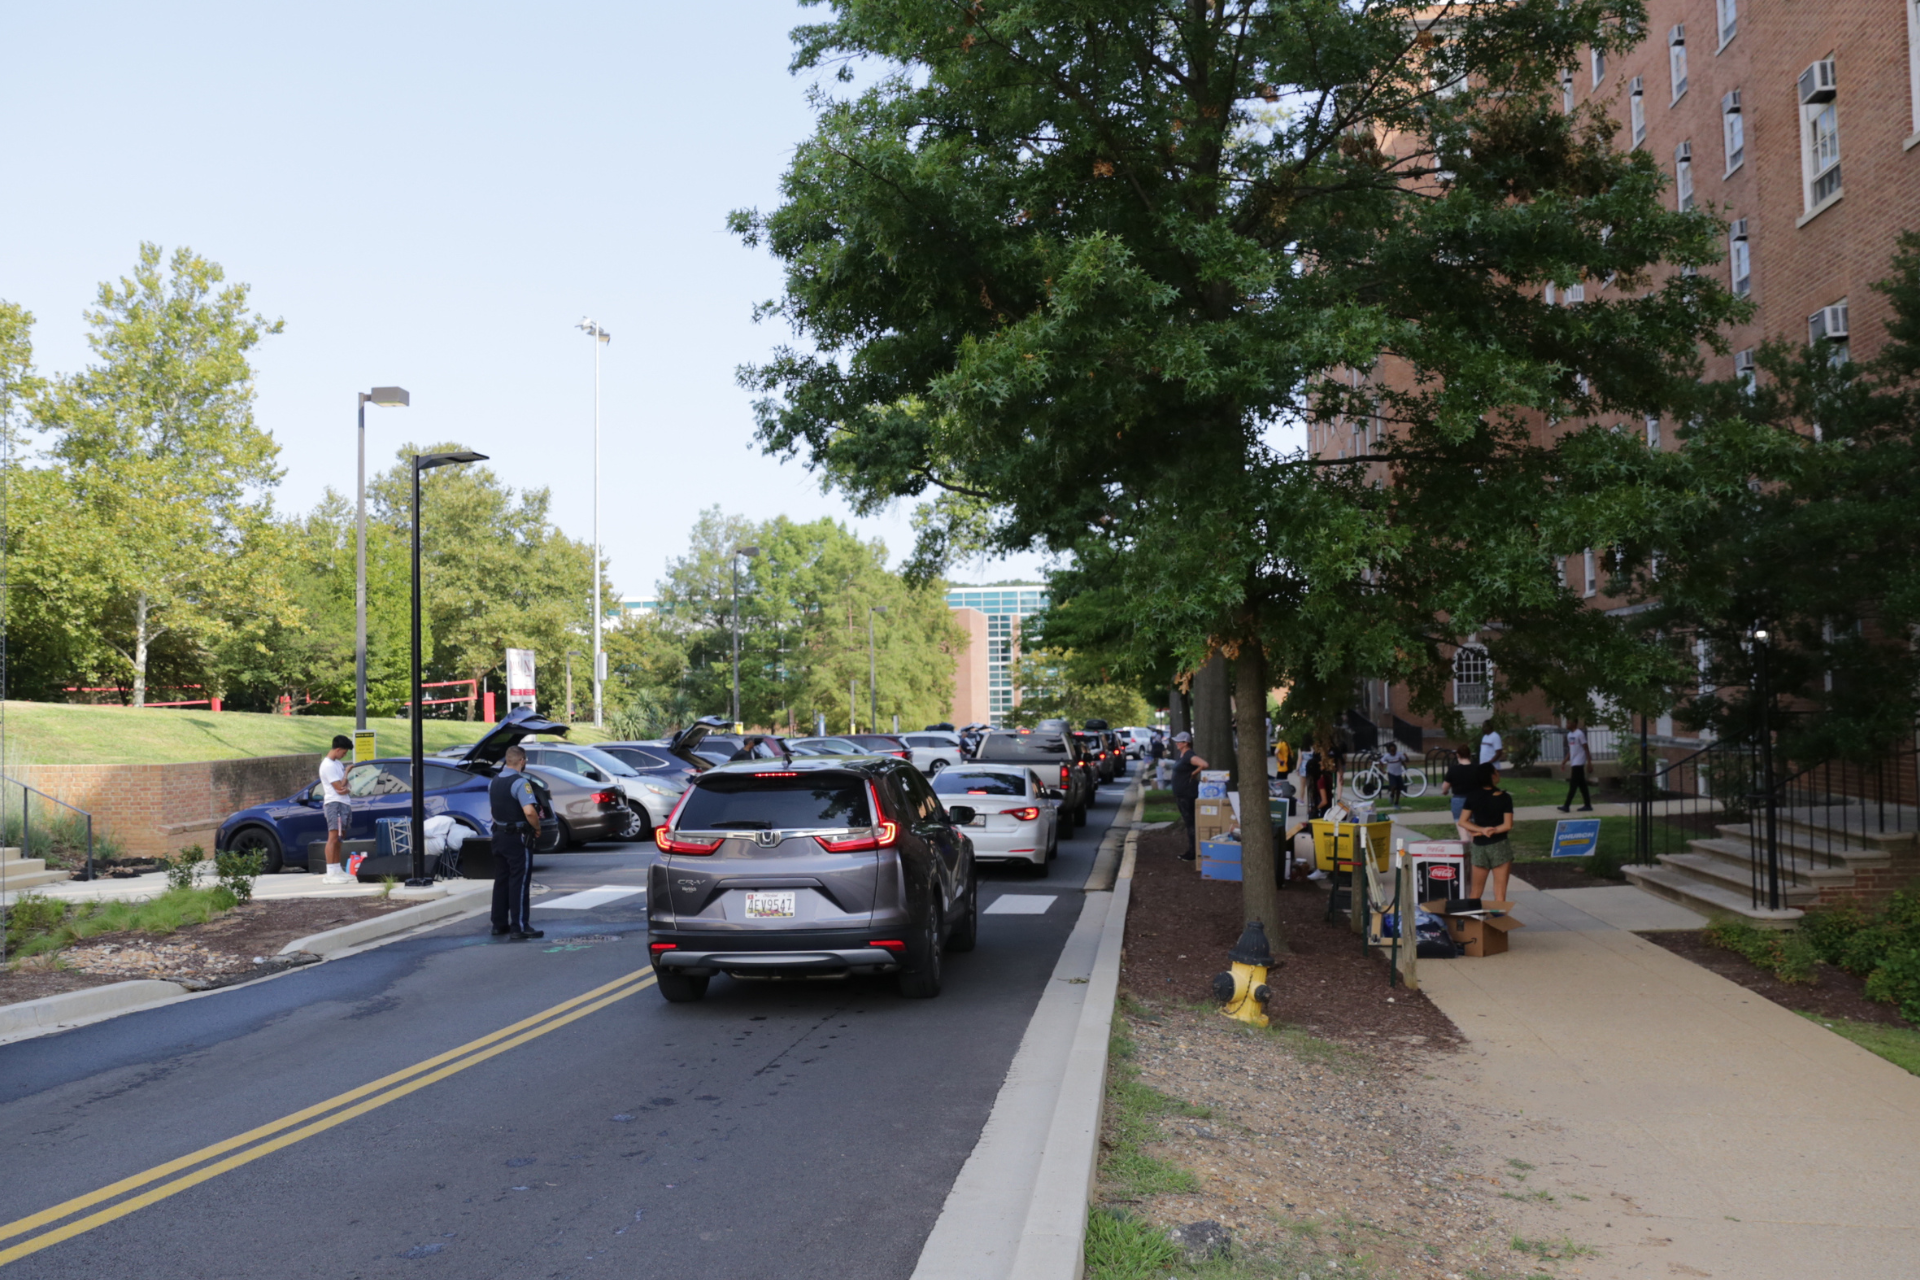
(1019, 904)
(588, 899)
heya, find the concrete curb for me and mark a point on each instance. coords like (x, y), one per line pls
(349, 936)
(1019, 1206)
(72, 1006)
(1107, 861)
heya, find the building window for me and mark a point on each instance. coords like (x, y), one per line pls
(1740, 257)
(1599, 66)
(1653, 431)
(1677, 59)
(1820, 132)
(1592, 573)
(1472, 677)
(1566, 87)
(1728, 11)
(1733, 129)
(1830, 323)
(1744, 370)
(1637, 109)
(1683, 175)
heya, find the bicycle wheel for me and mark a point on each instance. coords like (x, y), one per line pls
(1366, 784)
(1416, 784)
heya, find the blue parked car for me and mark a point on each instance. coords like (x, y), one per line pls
(283, 830)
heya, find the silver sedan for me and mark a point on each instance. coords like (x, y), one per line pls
(1016, 817)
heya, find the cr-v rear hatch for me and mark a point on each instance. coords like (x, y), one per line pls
(757, 849)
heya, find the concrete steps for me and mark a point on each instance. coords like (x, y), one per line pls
(1737, 877)
(1708, 896)
(26, 873)
(1815, 873)
(1813, 845)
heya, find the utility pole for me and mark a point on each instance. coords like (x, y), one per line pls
(600, 339)
(873, 687)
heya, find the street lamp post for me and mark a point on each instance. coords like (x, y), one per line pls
(600, 339)
(734, 560)
(1760, 646)
(571, 655)
(380, 396)
(873, 684)
(417, 828)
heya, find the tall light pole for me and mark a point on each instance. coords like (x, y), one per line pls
(380, 396)
(600, 339)
(571, 655)
(873, 684)
(416, 829)
(734, 560)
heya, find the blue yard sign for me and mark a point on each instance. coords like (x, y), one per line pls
(1575, 837)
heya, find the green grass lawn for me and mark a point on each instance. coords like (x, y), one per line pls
(1898, 1045)
(58, 733)
(1525, 791)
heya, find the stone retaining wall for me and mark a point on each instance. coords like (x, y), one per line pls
(154, 809)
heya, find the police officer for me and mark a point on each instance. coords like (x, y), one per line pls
(516, 829)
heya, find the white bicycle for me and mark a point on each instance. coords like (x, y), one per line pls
(1370, 780)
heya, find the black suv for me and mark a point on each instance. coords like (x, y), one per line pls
(1052, 754)
(818, 866)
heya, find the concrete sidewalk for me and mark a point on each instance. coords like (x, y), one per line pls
(1684, 1125)
(265, 889)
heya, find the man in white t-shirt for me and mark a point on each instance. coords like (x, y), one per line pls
(1577, 768)
(1492, 747)
(335, 804)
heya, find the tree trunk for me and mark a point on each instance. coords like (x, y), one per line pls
(140, 650)
(1178, 721)
(1212, 718)
(1257, 860)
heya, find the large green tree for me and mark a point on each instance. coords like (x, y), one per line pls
(1071, 261)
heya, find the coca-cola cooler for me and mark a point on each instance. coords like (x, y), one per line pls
(1439, 869)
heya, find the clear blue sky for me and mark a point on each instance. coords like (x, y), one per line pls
(433, 195)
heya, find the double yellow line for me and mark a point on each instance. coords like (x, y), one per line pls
(225, 1156)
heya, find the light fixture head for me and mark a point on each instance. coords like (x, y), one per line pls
(878, 608)
(428, 461)
(746, 551)
(1761, 635)
(390, 397)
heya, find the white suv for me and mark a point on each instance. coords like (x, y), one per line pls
(933, 750)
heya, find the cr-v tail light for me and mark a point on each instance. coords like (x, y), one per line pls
(882, 836)
(671, 843)
(1027, 814)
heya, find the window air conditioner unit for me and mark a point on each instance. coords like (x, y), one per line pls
(1737, 229)
(1683, 154)
(1828, 322)
(1730, 103)
(1678, 35)
(1635, 87)
(1817, 83)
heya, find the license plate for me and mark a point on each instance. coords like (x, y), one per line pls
(769, 906)
(978, 820)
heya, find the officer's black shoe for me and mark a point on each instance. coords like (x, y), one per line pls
(524, 935)
(501, 930)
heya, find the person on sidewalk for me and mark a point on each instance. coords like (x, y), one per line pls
(1394, 761)
(516, 830)
(1493, 748)
(1489, 818)
(1186, 787)
(337, 807)
(1577, 768)
(1462, 780)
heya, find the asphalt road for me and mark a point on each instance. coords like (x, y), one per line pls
(770, 1131)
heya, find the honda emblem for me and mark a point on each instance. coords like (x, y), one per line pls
(766, 839)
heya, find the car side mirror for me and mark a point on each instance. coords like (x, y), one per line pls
(1053, 793)
(961, 814)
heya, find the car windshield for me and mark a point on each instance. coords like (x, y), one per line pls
(606, 760)
(956, 782)
(761, 802)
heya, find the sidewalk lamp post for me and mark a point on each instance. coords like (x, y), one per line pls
(600, 339)
(417, 828)
(1764, 696)
(873, 684)
(381, 396)
(749, 552)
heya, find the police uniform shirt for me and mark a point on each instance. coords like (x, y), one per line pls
(521, 790)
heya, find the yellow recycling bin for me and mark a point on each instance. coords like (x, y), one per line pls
(1335, 844)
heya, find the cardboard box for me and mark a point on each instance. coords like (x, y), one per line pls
(1476, 936)
(1212, 818)
(1220, 860)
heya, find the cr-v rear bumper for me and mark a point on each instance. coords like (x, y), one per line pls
(772, 954)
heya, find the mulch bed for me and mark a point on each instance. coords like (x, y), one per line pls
(217, 953)
(1180, 928)
(1835, 993)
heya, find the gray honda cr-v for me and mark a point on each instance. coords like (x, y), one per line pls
(810, 867)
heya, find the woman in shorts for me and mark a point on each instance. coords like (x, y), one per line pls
(1488, 819)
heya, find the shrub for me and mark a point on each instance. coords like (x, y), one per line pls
(238, 871)
(1829, 929)
(180, 870)
(1786, 954)
(1897, 981)
(32, 916)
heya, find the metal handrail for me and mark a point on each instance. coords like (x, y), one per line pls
(26, 818)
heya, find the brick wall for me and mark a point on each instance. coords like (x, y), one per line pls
(154, 809)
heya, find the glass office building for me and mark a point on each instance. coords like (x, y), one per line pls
(1005, 605)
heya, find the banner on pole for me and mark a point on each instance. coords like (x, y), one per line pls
(363, 745)
(520, 689)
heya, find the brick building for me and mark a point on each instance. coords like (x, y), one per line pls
(1799, 125)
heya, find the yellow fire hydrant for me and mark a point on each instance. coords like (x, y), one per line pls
(1243, 989)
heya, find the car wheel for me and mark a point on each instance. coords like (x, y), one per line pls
(920, 979)
(966, 930)
(262, 841)
(643, 827)
(681, 988)
(937, 766)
